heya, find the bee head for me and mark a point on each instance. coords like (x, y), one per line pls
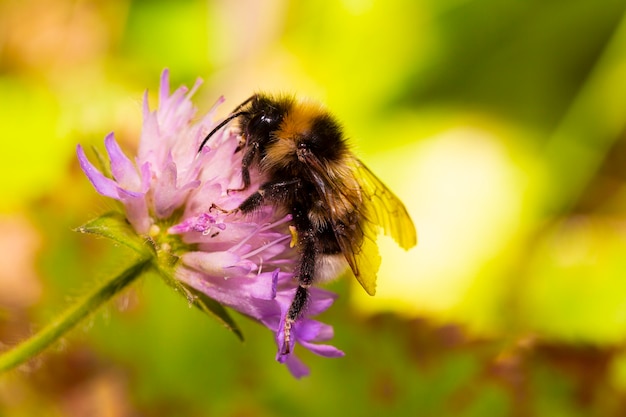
(306, 137)
(262, 117)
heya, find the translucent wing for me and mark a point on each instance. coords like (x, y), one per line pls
(359, 205)
(374, 207)
(384, 209)
(380, 208)
(364, 259)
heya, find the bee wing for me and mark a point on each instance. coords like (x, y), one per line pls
(379, 208)
(374, 207)
(364, 260)
(384, 209)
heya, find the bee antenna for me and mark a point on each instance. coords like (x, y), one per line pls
(219, 126)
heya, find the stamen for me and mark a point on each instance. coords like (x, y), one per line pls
(269, 245)
(260, 229)
(260, 268)
(285, 219)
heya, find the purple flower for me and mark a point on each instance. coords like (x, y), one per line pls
(169, 193)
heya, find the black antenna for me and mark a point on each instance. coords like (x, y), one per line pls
(219, 126)
(248, 100)
(236, 113)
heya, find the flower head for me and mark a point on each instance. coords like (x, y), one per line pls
(170, 192)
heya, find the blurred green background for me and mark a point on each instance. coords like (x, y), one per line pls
(500, 123)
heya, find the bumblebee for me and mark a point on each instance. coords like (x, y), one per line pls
(338, 205)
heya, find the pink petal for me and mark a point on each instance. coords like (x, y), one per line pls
(297, 368)
(122, 168)
(211, 263)
(326, 351)
(104, 185)
(164, 90)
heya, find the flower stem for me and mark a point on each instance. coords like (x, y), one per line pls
(70, 317)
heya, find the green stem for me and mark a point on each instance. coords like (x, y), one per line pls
(72, 316)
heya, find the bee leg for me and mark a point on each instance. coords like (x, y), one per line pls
(305, 273)
(241, 145)
(295, 310)
(248, 158)
(268, 192)
(223, 210)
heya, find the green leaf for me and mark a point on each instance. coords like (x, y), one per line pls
(199, 300)
(114, 226)
(215, 309)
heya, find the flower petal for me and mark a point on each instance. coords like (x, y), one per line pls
(297, 368)
(326, 351)
(104, 185)
(212, 263)
(164, 85)
(137, 212)
(122, 168)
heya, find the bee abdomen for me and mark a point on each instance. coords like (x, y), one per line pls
(329, 267)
